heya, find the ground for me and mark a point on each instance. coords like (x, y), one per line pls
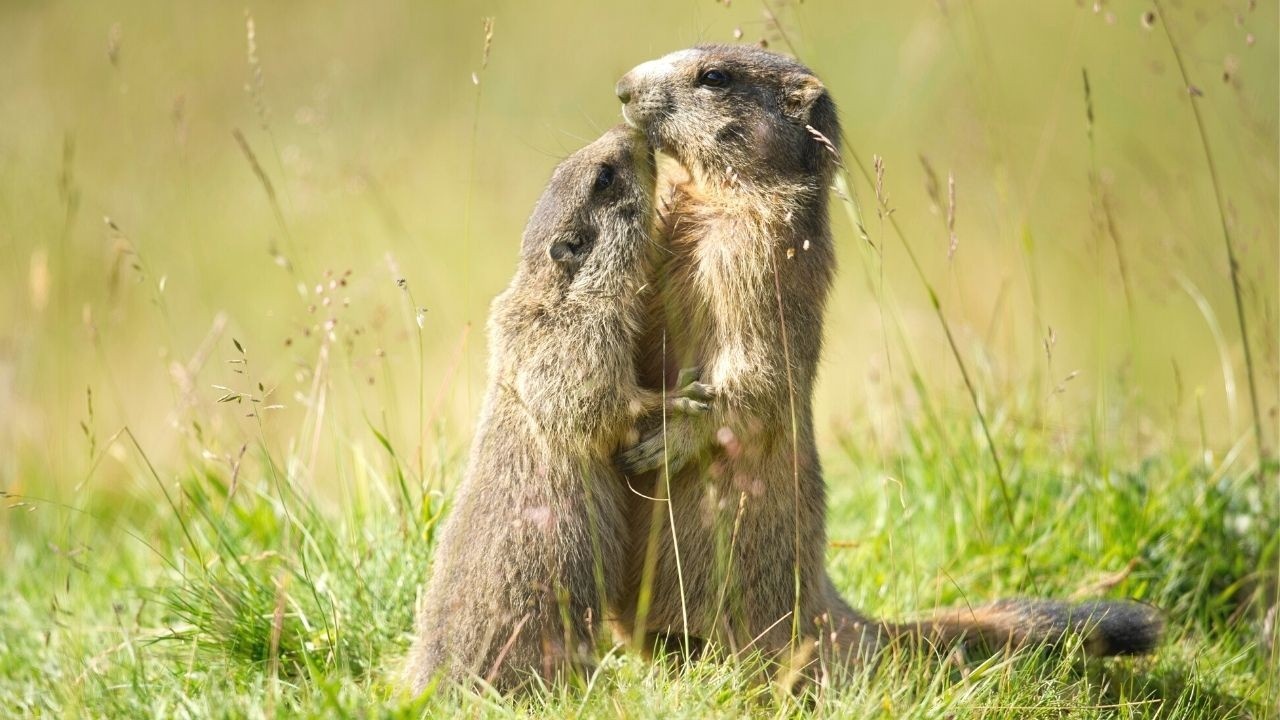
(170, 598)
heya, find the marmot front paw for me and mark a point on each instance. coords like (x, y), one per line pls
(648, 454)
(694, 397)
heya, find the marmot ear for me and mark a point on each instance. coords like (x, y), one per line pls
(569, 253)
(800, 93)
(561, 252)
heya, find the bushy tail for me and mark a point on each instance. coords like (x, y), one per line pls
(1105, 627)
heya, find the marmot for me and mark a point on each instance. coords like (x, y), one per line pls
(741, 294)
(525, 564)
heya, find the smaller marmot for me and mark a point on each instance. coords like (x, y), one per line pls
(527, 561)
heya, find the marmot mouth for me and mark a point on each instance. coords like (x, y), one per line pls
(628, 119)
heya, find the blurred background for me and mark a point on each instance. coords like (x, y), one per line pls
(307, 207)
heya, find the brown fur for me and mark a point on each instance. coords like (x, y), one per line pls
(1104, 627)
(741, 294)
(520, 580)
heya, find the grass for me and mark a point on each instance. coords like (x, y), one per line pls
(249, 598)
(252, 542)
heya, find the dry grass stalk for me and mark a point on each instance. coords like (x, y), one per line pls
(1194, 94)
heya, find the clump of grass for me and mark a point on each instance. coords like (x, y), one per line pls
(252, 601)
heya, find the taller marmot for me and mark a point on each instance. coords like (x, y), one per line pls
(741, 294)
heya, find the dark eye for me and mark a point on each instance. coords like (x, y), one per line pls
(604, 178)
(713, 78)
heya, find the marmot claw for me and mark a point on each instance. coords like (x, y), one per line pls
(689, 406)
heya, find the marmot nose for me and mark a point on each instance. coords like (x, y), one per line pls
(624, 89)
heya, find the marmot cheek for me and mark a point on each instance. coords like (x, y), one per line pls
(763, 133)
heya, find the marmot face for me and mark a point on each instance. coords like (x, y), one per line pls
(593, 221)
(733, 112)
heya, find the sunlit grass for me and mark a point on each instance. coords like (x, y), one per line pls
(260, 599)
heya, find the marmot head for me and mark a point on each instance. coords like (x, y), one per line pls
(734, 112)
(591, 227)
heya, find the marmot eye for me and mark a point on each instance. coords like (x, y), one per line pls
(604, 178)
(713, 78)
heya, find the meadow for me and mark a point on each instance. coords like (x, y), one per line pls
(246, 256)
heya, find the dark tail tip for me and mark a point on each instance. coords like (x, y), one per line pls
(1118, 627)
(1107, 627)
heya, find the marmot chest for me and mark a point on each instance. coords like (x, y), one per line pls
(680, 327)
